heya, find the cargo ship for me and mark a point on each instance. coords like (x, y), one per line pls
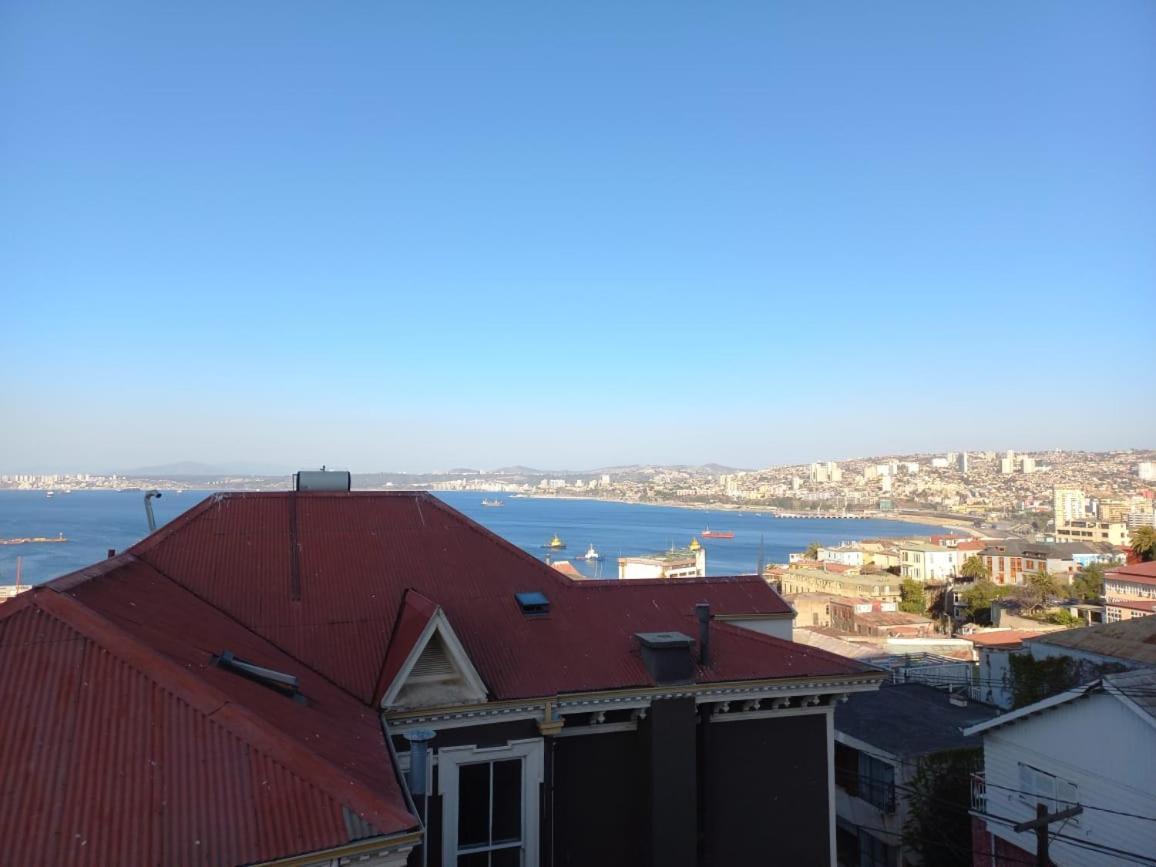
(717, 534)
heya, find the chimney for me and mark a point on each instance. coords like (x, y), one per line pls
(702, 611)
(667, 656)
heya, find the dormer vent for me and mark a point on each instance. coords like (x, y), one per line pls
(533, 603)
(278, 680)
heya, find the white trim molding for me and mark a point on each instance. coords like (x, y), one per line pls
(450, 759)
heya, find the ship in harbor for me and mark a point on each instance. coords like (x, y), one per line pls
(591, 553)
(493, 502)
(555, 544)
(717, 534)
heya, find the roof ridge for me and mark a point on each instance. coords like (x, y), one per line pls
(234, 716)
(490, 535)
(785, 644)
(153, 566)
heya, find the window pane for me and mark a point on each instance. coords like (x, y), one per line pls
(473, 804)
(507, 801)
(475, 859)
(507, 858)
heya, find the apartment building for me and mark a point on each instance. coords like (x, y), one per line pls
(923, 561)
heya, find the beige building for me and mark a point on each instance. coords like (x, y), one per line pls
(1094, 532)
(880, 585)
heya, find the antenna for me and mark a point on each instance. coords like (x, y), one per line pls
(759, 572)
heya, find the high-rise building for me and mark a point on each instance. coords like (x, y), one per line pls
(1029, 464)
(1146, 470)
(1007, 464)
(962, 462)
(834, 474)
(1068, 505)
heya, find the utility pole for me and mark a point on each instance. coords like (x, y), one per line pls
(1040, 825)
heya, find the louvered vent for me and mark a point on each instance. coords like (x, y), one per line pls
(434, 663)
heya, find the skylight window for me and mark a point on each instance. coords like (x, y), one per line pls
(533, 602)
(284, 683)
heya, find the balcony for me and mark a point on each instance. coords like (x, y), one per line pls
(978, 793)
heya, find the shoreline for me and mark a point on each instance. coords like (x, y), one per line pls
(929, 521)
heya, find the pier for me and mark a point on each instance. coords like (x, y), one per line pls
(34, 540)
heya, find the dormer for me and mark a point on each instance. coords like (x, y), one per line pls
(427, 665)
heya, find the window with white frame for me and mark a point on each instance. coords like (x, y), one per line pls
(1040, 787)
(490, 804)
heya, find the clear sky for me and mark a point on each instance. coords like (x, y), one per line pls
(412, 236)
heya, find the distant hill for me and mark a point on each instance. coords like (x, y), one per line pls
(195, 468)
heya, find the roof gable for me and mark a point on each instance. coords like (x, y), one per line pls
(431, 669)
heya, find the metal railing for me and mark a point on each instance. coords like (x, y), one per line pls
(978, 792)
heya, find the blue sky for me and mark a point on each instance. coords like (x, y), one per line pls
(423, 235)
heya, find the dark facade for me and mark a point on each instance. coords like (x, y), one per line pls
(680, 787)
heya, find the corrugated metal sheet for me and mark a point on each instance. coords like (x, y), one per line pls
(358, 554)
(111, 754)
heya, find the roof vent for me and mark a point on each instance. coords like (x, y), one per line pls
(278, 680)
(666, 656)
(533, 602)
(322, 480)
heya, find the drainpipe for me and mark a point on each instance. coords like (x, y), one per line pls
(702, 610)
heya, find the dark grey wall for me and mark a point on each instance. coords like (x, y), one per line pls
(600, 800)
(765, 791)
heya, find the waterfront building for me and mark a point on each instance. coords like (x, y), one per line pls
(330, 678)
(688, 562)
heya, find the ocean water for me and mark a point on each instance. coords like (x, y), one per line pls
(94, 521)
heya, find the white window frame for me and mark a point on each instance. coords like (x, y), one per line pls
(450, 759)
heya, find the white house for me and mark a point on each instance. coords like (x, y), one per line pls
(923, 561)
(1094, 747)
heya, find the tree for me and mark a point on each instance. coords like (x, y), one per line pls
(812, 552)
(1144, 543)
(1038, 588)
(973, 567)
(1088, 583)
(979, 597)
(912, 599)
(938, 824)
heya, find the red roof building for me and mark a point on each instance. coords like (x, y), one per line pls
(235, 687)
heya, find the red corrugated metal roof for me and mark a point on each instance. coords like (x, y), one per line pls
(112, 752)
(124, 742)
(357, 553)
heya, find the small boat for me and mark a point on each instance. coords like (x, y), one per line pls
(50, 493)
(556, 543)
(717, 534)
(494, 502)
(591, 553)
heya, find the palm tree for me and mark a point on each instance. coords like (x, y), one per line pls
(1144, 543)
(973, 567)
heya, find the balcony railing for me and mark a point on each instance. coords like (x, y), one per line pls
(978, 793)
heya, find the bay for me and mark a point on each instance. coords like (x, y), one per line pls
(95, 521)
